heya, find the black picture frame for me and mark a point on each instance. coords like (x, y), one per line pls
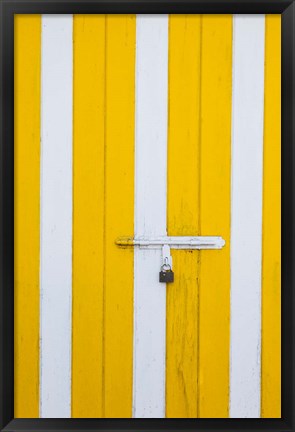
(7, 10)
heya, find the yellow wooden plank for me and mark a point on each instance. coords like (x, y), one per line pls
(27, 214)
(119, 214)
(183, 213)
(214, 299)
(88, 215)
(271, 234)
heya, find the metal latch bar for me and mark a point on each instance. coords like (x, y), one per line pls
(174, 242)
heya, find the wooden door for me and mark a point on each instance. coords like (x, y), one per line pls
(144, 126)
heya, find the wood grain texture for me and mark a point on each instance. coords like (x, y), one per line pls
(88, 215)
(141, 84)
(214, 288)
(183, 196)
(271, 237)
(150, 214)
(246, 215)
(27, 214)
(56, 216)
(119, 215)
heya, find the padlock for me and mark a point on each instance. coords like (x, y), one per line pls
(166, 275)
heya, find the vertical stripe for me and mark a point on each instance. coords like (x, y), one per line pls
(246, 215)
(26, 213)
(150, 214)
(271, 246)
(215, 136)
(88, 214)
(119, 220)
(183, 213)
(56, 216)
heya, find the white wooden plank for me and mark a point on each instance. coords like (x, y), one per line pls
(246, 214)
(56, 216)
(150, 214)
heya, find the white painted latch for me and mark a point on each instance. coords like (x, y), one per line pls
(167, 243)
(177, 242)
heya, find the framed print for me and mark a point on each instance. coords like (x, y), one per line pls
(146, 209)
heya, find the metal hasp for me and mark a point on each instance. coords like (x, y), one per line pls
(166, 243)
(176, 242)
